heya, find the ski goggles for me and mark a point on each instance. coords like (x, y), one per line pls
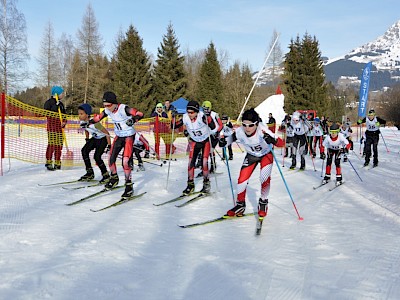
(249, 125)
(336, 131)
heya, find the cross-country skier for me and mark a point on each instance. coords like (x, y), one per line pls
(300, 128)
(227, 131)
(198, 126)
(100, 142)
(372, 135)
(139, 144)
(258, 140)
(123, 118)
(335, 144)
(318, 133)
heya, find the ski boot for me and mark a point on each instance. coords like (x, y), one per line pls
(105, 179)
(345, 159)
(293, 166)
(88, 176)
(112, 183)
(338, 180)
(302, 163)
(128, 190)
(326, 179)
(206, 186)
(366, 163)
(231, 157)
(262, 207)
(147, 154)
(375, 164)
(57, 165)
(49, 165)
(141, 167)
(189, 189)
(237, 211)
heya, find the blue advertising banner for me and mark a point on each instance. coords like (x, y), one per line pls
(364, 87)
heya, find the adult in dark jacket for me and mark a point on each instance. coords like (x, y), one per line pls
(55, 126)
(373, 124)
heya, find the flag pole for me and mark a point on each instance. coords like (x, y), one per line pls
(258, 76)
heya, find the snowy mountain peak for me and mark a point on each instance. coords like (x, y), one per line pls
(384, 52)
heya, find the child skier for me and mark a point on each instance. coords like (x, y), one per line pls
(258, 141)
(198, 126)
(318, 138)
(299, 139)
(123, 118)
(336, 144)
(100, 142)
(139, 144)
(346, 131)
(227, 131)
(372, 136)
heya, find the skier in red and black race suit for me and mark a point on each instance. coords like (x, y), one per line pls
(123, 117)
(198, 127)
(371, 135)
(258, 141)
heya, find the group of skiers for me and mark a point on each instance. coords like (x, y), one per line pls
(205, 130)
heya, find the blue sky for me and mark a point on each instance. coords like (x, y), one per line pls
(242, 28)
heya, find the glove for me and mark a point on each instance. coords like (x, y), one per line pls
(147, 154)
(269, 139)
(84, 124)
(222, 142)
(359, 122)
(186, 133)
(130, 122)
(108, 148)
(377, 124)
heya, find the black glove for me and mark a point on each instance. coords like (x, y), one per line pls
(84, 124)
(147, 154)
(345, 150)
(108, 148)
(222, 142)
(137, 118)
(186, 133)
(130, 122)
(269, 139)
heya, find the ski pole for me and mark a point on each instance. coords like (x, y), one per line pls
(222, 158)
(356, 155)
(354, 168)
(387, 149)
(322, 167)
(284, 181)
(170, 151)
(239, 147)
(229, 173)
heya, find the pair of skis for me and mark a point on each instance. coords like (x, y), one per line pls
(332, 188)
(105, 190)
(197, 195)
(226, 218)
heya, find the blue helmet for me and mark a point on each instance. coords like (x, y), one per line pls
(56, 90)
(317, 120)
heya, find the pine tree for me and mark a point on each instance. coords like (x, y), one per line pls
(169, 78)
(210, 81)
(237, 84)
(132, 77)
(304, 78)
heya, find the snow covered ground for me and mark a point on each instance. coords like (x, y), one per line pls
(347, 246)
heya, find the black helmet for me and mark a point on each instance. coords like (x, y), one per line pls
(334, 128)
(371, 112)
(193, 105)
(224, 117)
